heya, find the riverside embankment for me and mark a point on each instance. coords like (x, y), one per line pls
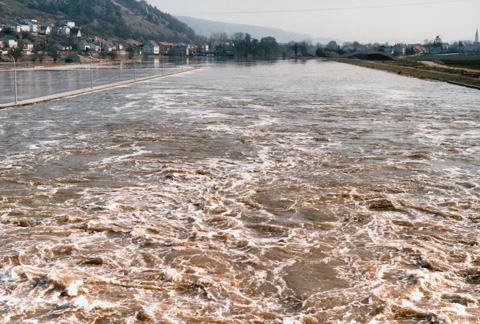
(459, 76)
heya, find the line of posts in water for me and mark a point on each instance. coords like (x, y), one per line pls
(90, 68)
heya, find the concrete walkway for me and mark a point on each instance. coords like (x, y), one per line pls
(72, 93)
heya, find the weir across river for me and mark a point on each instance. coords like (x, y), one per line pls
(86, 90)
(42, 83)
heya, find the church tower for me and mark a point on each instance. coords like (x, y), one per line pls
(476, 37)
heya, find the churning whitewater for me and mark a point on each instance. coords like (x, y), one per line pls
(274, 192)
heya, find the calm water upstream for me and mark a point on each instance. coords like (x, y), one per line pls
(283, 192)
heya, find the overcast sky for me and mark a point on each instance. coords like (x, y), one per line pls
(391, 21)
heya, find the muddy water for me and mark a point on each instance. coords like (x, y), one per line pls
(280, 192)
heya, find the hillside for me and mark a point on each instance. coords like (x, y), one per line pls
(207, 27)
(110, 19)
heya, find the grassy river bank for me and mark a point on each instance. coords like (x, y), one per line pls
(466, 73)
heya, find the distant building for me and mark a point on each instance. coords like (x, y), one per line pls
(151, 48)
(26, 21)
(105, 46)
(181, 49)
(13, 27)
(434, 50)
(33, 25)
(25, 28)
(399, 49)
(64, 31)
(476, 37)
(386, 49)
(419, 50)
(26, 44)
(45, 29)
(94, 47)
(66, 23)
(165, 47)
(117, 46)
(192, 49)
(83, 45)
(9, 41)
(60, 47)
(75, 32)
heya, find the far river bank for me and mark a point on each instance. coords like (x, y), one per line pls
(426, 70)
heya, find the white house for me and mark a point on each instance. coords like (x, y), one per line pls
(13, 27)
(9, 42)
(151, 48)
(45, 30)
(34, 27)
(24, 27)
(26, 44)
(64, 31)
(66, 23)
(117, 46)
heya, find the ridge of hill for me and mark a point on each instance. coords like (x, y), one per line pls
(206, 28)
(110, 19)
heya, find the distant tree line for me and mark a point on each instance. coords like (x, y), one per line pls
(246, 46)
(243, 45)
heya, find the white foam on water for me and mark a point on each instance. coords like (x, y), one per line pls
(213, 203)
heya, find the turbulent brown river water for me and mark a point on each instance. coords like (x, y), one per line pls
(284, 192)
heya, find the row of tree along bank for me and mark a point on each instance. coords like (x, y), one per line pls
(238, 45)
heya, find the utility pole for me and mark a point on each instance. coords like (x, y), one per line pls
(14, 77)
(91, 71)
(134, 68)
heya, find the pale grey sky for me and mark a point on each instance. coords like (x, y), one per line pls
(365, 21)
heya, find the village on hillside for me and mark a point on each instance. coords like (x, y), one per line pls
(31, 40)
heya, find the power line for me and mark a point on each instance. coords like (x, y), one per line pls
(323, 9)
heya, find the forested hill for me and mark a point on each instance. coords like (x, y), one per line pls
(111, 19)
